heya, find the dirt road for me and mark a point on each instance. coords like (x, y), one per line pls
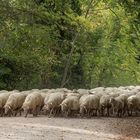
(43, 128)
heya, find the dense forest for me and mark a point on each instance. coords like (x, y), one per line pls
(69, 43)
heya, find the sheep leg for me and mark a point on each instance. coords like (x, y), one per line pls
(0, 112)
(38, 110)
(69, 113)
(102, 112)
(113, 111)
(26, 113)
(10, 113)
(108, 111)
(20, 112)
(136, 113)
(124, 111)
(93, 112)
(35, 112)
(65, 114)
(51, 112)
(129, 112)
(96, 112)
(88, 113)
(15, 114)
(55, 112)
(118, 112)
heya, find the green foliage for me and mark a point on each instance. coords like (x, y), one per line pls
(73, 43)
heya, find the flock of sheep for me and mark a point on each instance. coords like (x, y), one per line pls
(110, 101)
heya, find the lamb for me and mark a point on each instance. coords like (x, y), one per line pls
(14, 103)
(133, 103)
(52, 103)
(70, 105)
(104, 104)
(33, 104)
(3, 100)
(119, 104)
(89, 104)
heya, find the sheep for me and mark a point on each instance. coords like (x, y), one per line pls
(104, 104)
(3, 91)
(82, 91)
(3, 100)
(88, 104)
(130, 87)
(108, 90)
(97, 90)
(33, 104)
(114, 94)
(118, 104)
(135, 90)
(133, 103)
(62, 90)
(45, 111)
(43, 94)
(74, 94)
(52, 103)
(121, 88)
(70, 105)
(14, 103)
(35, 90)
(138, 94)
(44, 90)
(26, 92)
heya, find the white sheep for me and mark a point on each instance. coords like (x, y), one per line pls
(119, 104)
(3, 91)
(70, 105)
(3, 100)
(52, 103)
(105, 105)
(133, 104)
(32, 104)
(89, 104)
(14, 103)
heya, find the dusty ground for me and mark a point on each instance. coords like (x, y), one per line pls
(43, 128)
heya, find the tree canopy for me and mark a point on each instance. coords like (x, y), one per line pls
(69, 43)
